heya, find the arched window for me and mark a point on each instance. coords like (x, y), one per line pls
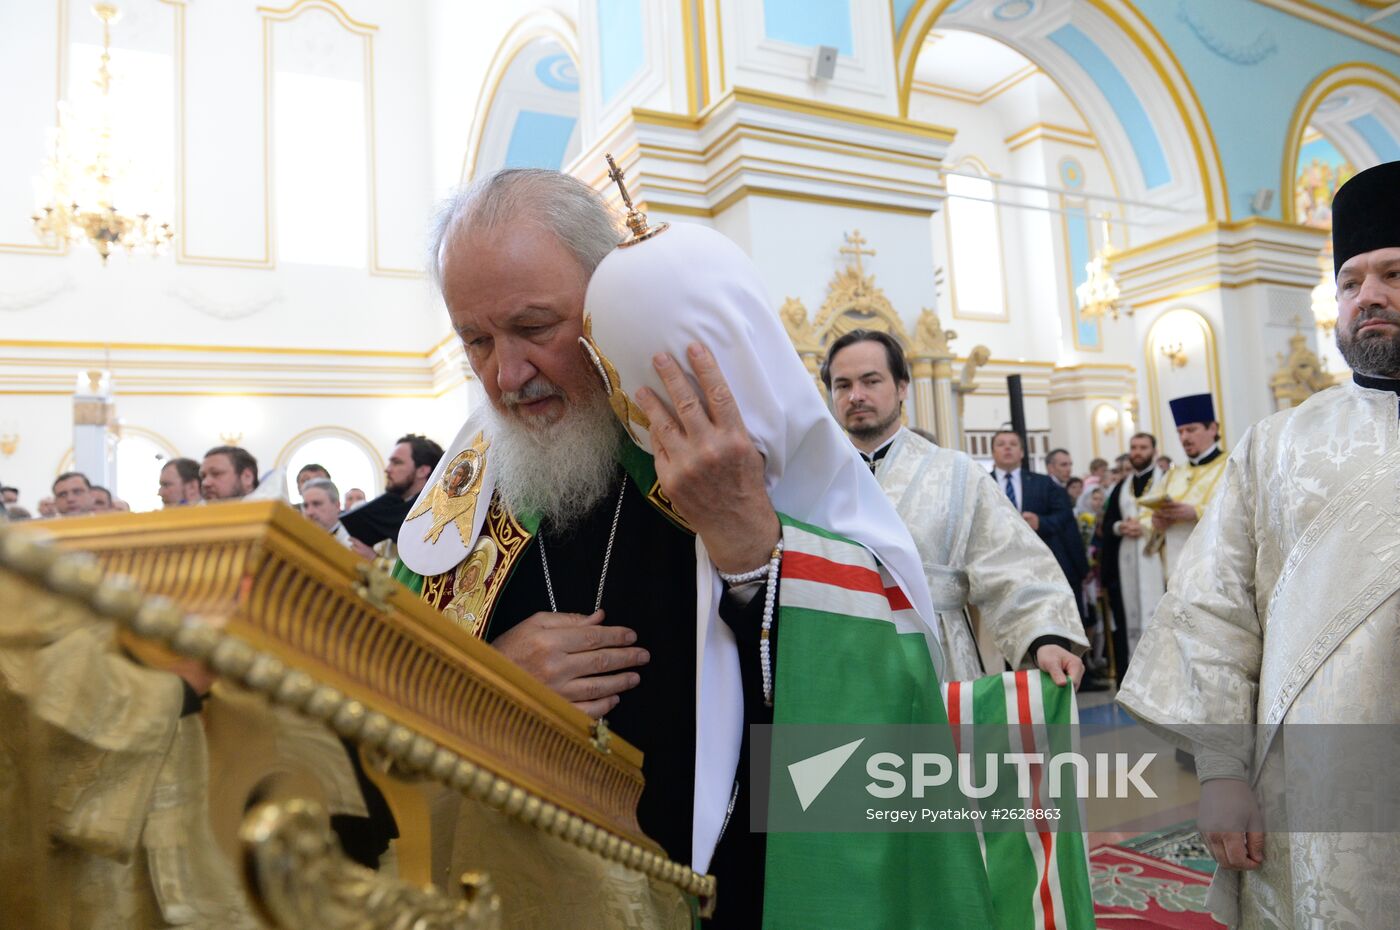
(349, 457)
(974, 244)
(531, 120)
(141, 455)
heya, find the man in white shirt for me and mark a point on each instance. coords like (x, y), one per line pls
(320, 502)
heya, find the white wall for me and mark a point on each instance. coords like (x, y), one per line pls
(153, 322)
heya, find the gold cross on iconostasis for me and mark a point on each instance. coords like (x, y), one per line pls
(856, 241)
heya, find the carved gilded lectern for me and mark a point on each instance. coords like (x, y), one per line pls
(335, 690)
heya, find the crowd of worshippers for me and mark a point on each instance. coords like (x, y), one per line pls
(230, 473)
(1078, 518)
(1083, 521)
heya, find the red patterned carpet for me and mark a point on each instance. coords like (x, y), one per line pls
(1133, 890)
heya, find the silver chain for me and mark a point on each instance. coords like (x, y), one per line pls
(607, 556)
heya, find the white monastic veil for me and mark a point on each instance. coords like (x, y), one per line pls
(691, 284)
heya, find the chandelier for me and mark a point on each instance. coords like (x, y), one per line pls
(84, 179)
(1324, 294)
(1098, 295)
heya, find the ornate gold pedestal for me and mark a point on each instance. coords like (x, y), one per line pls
(510, 810)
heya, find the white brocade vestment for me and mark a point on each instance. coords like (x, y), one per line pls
(1284, 609)
(978, 551)
(1141, 575)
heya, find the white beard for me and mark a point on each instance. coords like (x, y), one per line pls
(559, 471)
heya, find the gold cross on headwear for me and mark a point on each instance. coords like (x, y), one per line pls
(636, 219)
(615, 175)
(856, 240)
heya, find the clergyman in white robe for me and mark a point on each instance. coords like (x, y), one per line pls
(1141, 574)
(977, 551)
(1285, 609)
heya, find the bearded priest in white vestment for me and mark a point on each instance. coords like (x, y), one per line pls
(976, 549)
(1285, 606)
(1132, 566)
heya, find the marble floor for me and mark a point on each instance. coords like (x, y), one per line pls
(1106, 727)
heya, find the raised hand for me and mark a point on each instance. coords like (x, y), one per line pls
(708, 465)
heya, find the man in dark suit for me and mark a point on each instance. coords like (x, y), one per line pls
(1045, 507)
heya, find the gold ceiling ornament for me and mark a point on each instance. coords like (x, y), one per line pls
(85, 185)
(1324, 295)
(1098, 295)
(636, 219)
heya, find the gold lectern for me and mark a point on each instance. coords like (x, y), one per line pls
(512, 808)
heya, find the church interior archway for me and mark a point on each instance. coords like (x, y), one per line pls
(351, 459)
(531, 111)
(1124, 90)
(1347, 121)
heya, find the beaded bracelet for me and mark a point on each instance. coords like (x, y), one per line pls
(770, 595)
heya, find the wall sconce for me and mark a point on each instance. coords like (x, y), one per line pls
(230, 438)
(9, 442)
(1324, 295)
(1108, 423)
(1176, 354)
(94, 383)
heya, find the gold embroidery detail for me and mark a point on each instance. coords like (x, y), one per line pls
(467, 594)
(467, 608)
(663, 503)
(623, 408)
(453, 498)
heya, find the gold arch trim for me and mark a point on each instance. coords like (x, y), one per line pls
(1213, 380)
(284, 455)
(1349, 74)
(1094, 426)
(921, 19)
(542, 24)
(301, 6)
(150, 434)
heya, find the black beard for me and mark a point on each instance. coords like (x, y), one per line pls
(1139, 466)
(1377, 356)
(875, 430)
(398, 489)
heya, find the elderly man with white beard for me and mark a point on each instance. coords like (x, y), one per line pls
(614, 520)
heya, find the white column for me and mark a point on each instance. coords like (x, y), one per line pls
(94, 446)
